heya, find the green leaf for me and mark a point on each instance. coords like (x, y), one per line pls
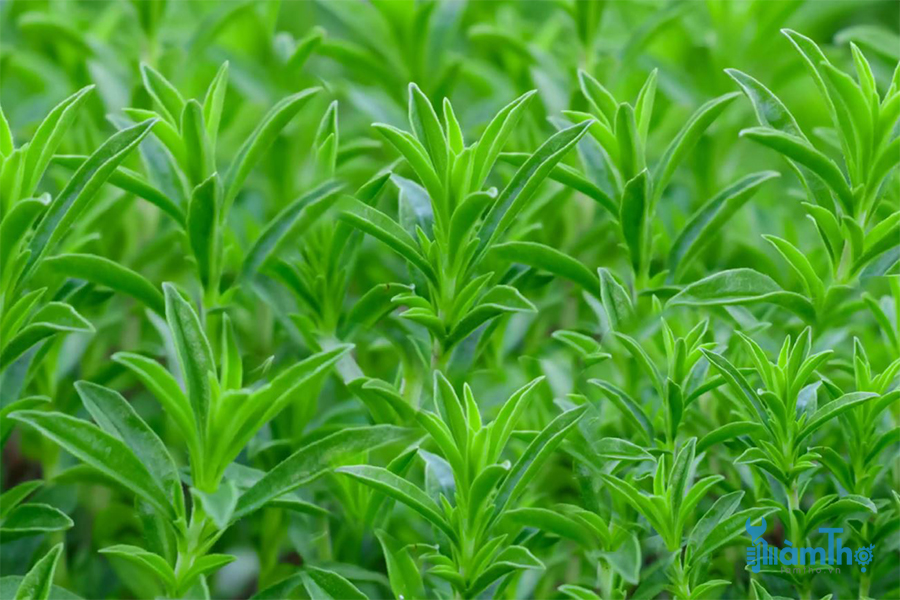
(549, 259)
(12, 497)
(537, 452)
(643, 106)
(231, 367)
(801, 265)
(603, 103)
(616, 300)
(453, 130)
(631, 150)
(167, 98)
(503, 426)
(416, 155)
(33, 519)
(314, 459)
(166, 390)
(47, 138)
(117, 417)
(801, 151)
(722, 508)
(576, 592)
(451, 409)
(7, 145)
(512, 559)
(327, 585)
(51, 319)
(38, 582)
(194, 354)
(832, 410)
(570, 177)
(377, 302)
(633, 218)
(770, 111)
(84, 184)
(198, 149)
(203, 566)
(686, 139)
(144, 560)
(727, 432)
(729, 528)
(710, 218)
(643, 360)
(746, 393)
(132, 182)
(202, 227)
(524, 183)
(100, 450)
(406, 581)
(6, 426)
(626, 560)
(618, 449)
(103, 271)
(214, 101)
(10, 583)
(587, 347)
(553, 522)
(260, 140)
(383, 228)
(427, 127)
(678, 478)
(13, 229)
(501, 299)
(495, 135)
(627, 406)
(292, 221)
(403, 491)
(741, 286)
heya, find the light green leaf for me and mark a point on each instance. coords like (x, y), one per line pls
(38, 582)
(100, 450)
(524, 183)
(801, 151)
(832, 410)
(293, 221)
(549, 259)
(742, 286)
(194, 354)
(33, 519)
(686, 139)
(51, 319)
(145, 560)
(710, 218)
(117, 417)
(260, 140)
(167, 98)
(403, 491)
(315, 459)
(81, 188)
(103, 271)
(48, 136)
(537, 452)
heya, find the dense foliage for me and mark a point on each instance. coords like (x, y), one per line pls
(448, 299)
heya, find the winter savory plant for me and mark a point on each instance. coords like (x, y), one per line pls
(430, 299)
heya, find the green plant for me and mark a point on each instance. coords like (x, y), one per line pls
(437, 299)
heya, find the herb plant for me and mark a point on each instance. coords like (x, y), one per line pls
(433, 299)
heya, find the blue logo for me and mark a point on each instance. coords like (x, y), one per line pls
(760, 553)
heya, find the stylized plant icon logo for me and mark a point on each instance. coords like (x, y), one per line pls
(864, 556)
(756, 530)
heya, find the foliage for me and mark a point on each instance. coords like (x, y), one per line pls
(441, 299)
